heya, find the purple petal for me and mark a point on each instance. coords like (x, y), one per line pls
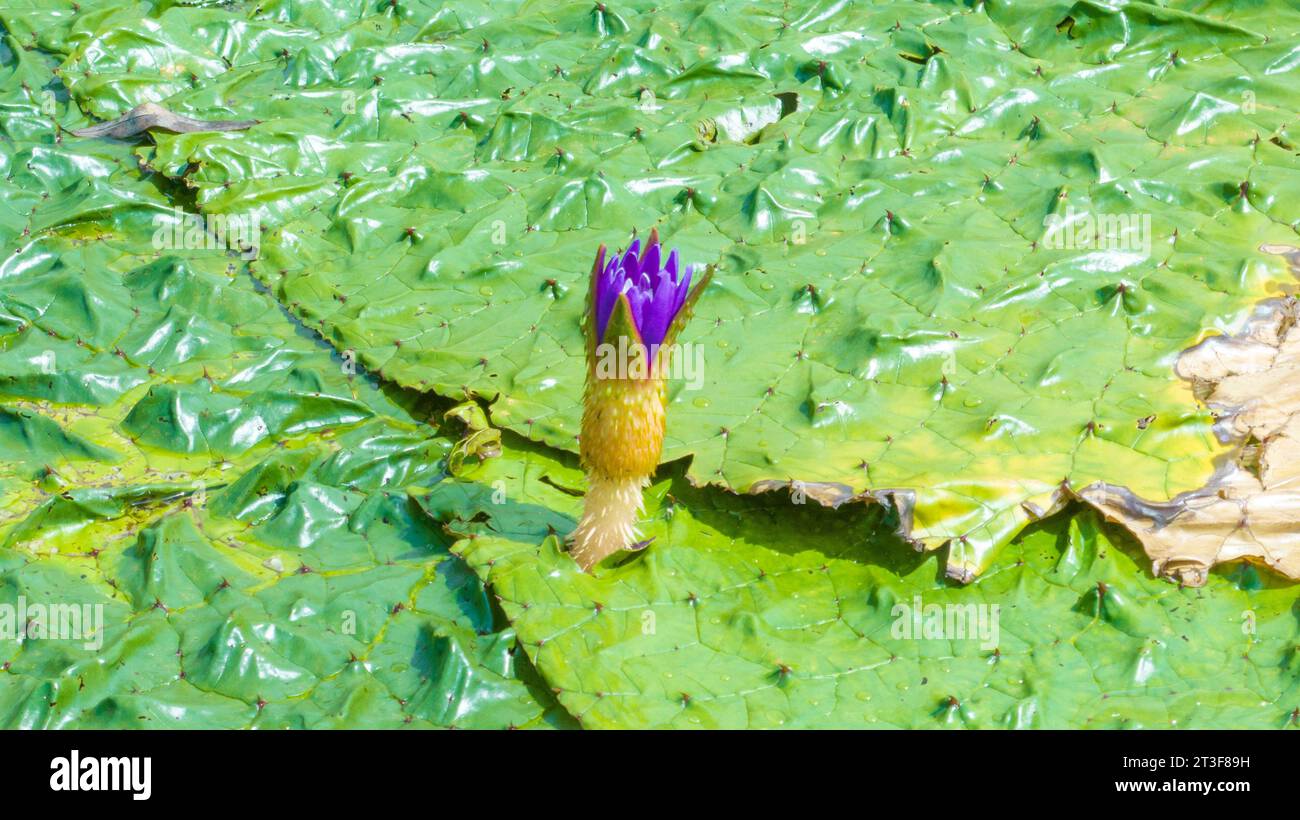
(650, 265)
(636, 299)
(659, 314)
(671, 266)
(630, 262)
(607, 290)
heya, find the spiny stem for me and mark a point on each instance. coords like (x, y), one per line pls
(610, 513)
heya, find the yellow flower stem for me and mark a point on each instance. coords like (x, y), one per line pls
(622, 437)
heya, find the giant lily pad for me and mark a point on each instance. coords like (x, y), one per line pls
(223, 503)
(959, 248)
(754, 612)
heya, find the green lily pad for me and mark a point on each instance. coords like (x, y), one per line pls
(958, 248)
(754, 612)
(208, 515)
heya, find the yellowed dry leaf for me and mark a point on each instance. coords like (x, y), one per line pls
(1250, 510)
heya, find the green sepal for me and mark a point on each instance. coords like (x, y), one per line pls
(688, 307)
(589, 328)
(621, 323)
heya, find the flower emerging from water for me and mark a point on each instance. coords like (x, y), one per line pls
(638, 302)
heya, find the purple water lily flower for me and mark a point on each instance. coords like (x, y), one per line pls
(624, 404)
(656, 289)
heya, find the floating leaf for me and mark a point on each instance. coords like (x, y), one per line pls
(958, 269)
(756, 612)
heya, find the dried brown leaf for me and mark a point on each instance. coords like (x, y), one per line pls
(151, 115)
